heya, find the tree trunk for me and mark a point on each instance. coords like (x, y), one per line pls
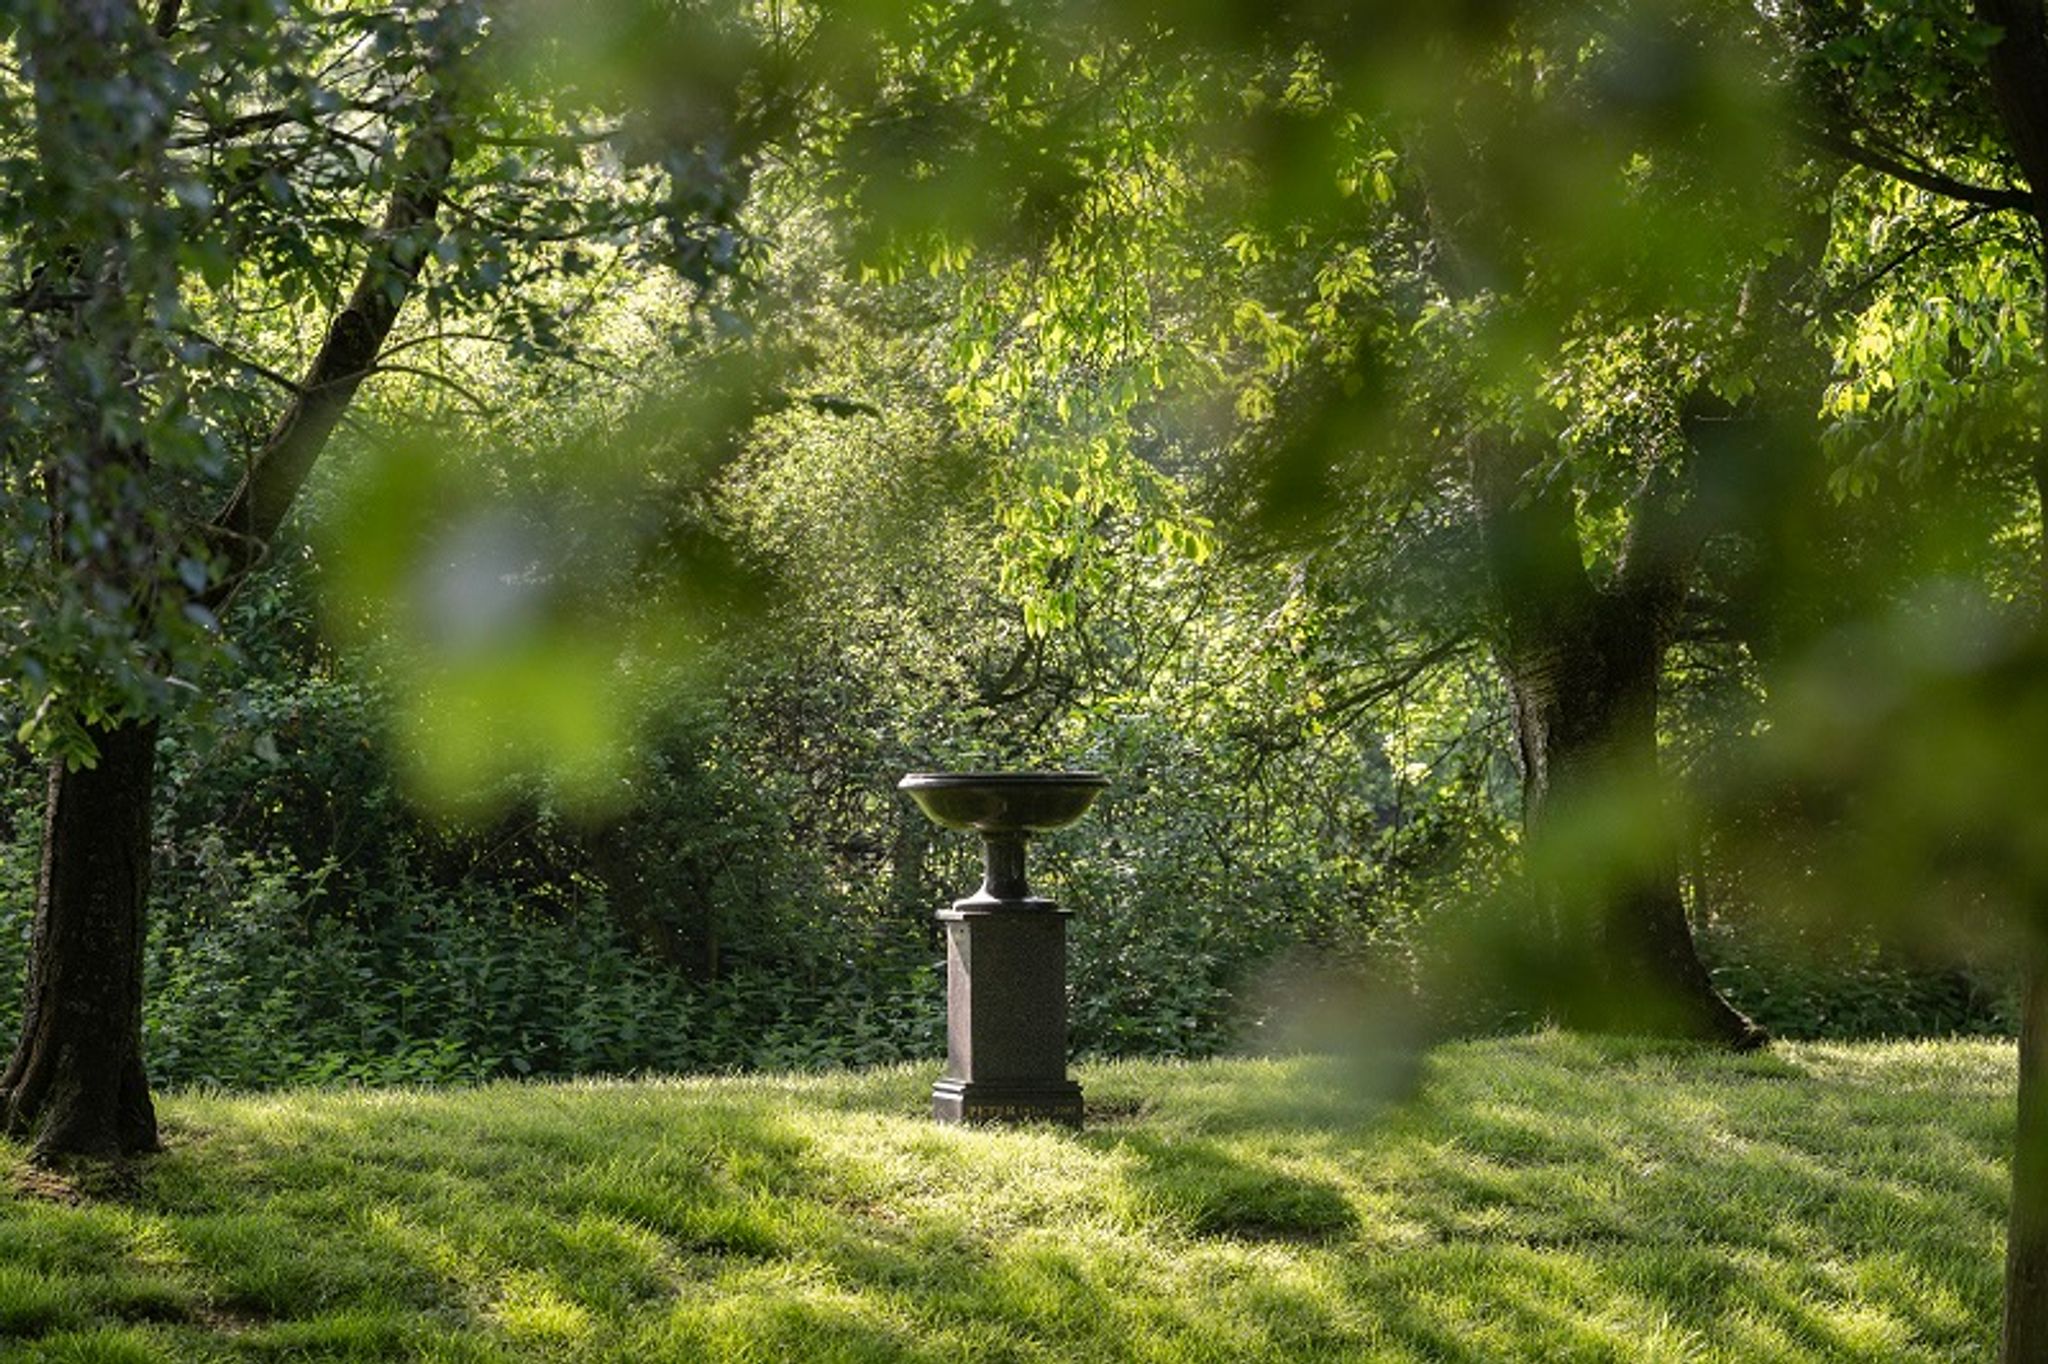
(2025, 1333)
(1585, 720)
(2018, 68)
(1582, 666)
(2026, 1238)
(76, 1083)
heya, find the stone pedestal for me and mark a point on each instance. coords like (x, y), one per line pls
(1006, 949)
(1006, 1014)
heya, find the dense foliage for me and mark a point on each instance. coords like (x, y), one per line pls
(1050, 389)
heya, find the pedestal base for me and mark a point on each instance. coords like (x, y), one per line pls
(1057, 1101)
(1006, 1015)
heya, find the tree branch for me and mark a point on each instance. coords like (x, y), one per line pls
(1850, 293)
(492, 338)
(270, 120)
(461, 390)
(273, 478)
(1393, 676)
(1933, 181)
(428, 338)
(1666, 533)
(589, 137)
(1529, 538)
(241, 361)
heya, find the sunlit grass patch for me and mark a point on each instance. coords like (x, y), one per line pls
(1544, 1197)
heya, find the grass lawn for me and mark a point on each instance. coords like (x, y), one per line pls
(1542, 1198)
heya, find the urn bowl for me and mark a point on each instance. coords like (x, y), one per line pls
(1004, 803)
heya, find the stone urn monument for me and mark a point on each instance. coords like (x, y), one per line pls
(1006, 950)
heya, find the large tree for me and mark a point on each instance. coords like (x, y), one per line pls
(209, 206)
(1552, 363)
(226, 221)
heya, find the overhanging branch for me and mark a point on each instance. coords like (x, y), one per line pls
(239, 360)
(433, 376)
(1920, 177)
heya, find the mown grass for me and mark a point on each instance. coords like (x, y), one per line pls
(1540, 1198)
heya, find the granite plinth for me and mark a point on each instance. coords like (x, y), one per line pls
(964, 1101)
(1006, 1015)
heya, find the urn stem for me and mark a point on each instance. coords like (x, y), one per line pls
(1003, 867)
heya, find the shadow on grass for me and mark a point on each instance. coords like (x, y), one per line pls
(396, 1225)
(1542, 1198)
(1205, 1189)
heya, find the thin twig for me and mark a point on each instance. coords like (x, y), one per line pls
(435, 376)
(255, 367)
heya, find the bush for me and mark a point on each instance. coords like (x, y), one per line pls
(1843, 987)
(267, 989)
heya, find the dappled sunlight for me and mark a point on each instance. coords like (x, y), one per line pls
(1542, 1197)
(1310, 1092)
(532, 1310)
(1524, 512)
